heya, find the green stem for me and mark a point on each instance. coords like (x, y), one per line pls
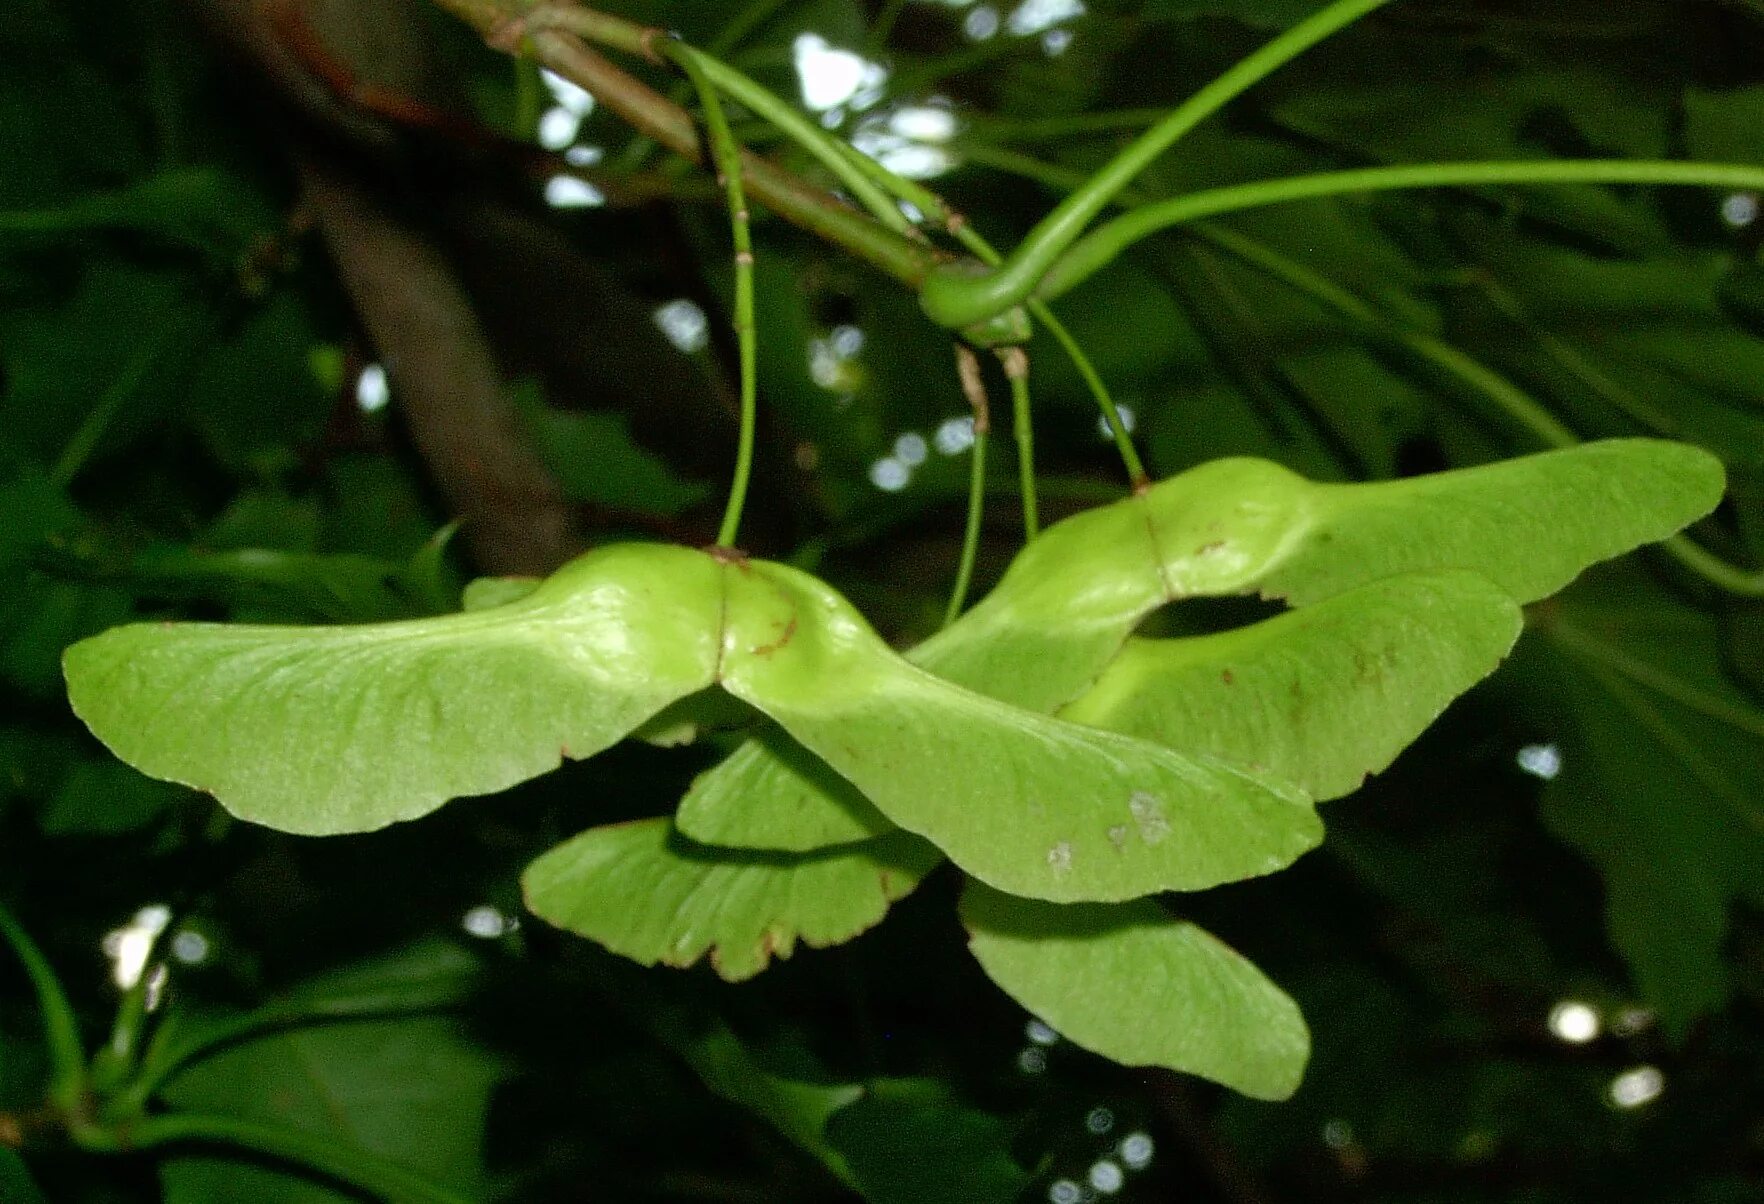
(938, 211)
(321, 1153)
(789, 120)
(1136, 473)
(956, 296)
(1100, 247)
(968, 367)
(726, 153)
(1016, 366)
(61, 1025)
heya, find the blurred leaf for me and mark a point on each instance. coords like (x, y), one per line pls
(1661, 782)
(595, 460)
(16, 1184)
(644, 892)
(1133, 983)
(796, 1108)
(413, 1091)
(914, 1141)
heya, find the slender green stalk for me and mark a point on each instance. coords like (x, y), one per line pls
(321, 1153)
(974, 388)
(726, 153)
(1105, 401)
(805, 133)
(956, 296)
(1100, 247)
(937, 211)
(61, 1025)
(1016, 368)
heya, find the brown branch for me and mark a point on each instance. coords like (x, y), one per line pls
(654, 115)
(444, 376)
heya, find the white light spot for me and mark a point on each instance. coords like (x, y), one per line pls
(1129, 419)
(1540, 761)
(831, 77)
(1055, 41)
(1107, 1176)
(1137, 1150)
(584, 156)
(923, 123)
(846, 341)
(190, 947)
(1338, 1134)
(684, 324)
(567, 192)
(890, 475)
(1032, 1061)
(1041, 1033)
(910, 449)
(981, 24)
(1064, 1191)
(1740, 209)
(486, 923)
(1632, 1021)
(955, 436)
(558, 128)
(1633, 1088)
(1099, 1120)
(130, 946)
(372, 390)
(1034, 16)
(569, 96)
(1574, 1022)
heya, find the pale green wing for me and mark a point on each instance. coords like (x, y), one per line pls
(1135, 984)
(1074, 595)
(1027, 803)
(772, 793)
(648, 894)
(1530, 525)
(1322, 696)
(321, 730)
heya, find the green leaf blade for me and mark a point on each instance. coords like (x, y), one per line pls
(1027, 803)
(1133, 983)
(646, 894)
(320, 730)
(1321, 697)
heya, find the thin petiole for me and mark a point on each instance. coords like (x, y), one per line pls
(937, 210)
(726, 154)
(974, 388)
(1015, 362)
